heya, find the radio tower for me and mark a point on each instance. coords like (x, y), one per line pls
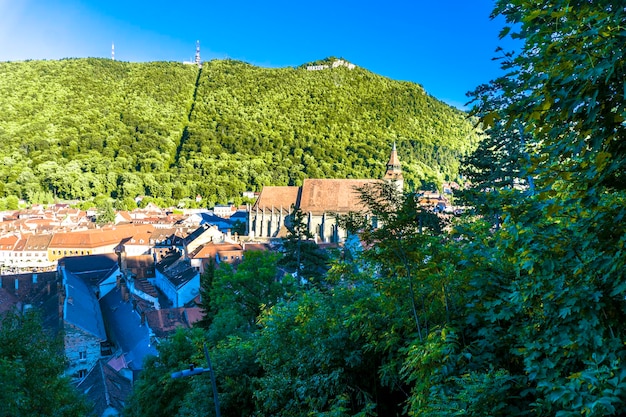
(112, 51)
(198, 61)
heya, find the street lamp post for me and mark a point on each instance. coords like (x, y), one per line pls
(195, 371)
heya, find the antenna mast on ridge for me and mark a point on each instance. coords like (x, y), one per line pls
(112, 51)
(198, 61)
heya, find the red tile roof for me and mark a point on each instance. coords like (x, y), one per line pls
(8, 242)
(277, 197)
(97, 237)
(210, 249)
(332, 195)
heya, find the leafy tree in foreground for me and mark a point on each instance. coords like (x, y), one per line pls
(544, 331)
(31, 369)
(238, 296)
(301, 253)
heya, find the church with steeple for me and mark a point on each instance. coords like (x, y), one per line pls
(321, 200)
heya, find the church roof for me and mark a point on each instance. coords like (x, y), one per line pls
(332, 195)
(277, 197)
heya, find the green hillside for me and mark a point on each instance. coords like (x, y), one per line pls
(78, 128)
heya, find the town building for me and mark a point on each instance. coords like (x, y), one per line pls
(91, 242)
(322, 201)
(177, 279)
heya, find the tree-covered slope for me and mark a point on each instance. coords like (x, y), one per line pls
(75, 127)
(81, 127)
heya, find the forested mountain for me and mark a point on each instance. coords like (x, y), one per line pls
(78, 128)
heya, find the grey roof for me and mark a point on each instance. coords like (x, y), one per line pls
(81, 306)
(176, 269)
(168, 260)
(180, 274)
(91, 268)
(105, 388)
(125, 329)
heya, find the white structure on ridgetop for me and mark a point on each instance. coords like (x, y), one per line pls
(336, 63)
(112, 51)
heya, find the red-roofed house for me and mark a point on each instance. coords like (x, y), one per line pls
(220, 252)
(164, 322)
(91, 242)
(7, 243)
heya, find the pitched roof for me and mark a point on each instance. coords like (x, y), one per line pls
(168, 260)
(255, 247)
(210, 249)
(105, 388)
(118, 362)
(141, 238)
(8, 242)
(332, 195)
(96, 238)
(90, 268)
(180, 274)
(165, 321)
(38, 242)
(81, 306)
(277, 197)
(126, 330)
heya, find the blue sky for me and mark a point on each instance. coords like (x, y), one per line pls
(447, 46)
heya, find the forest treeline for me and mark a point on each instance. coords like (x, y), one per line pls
(81, 128)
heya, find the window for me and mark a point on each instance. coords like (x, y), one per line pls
(82, 355)
(82, 373)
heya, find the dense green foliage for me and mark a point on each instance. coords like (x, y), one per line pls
(521, 317)
(31, 372)
(78, 128)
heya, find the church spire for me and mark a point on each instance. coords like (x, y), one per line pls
(394, 169)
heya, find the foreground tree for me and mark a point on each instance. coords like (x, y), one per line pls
(544, 331)
(238, 296)
(31, 372)
(302, 255)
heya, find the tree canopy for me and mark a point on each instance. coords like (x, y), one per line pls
(31, 371)
(78, 128)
